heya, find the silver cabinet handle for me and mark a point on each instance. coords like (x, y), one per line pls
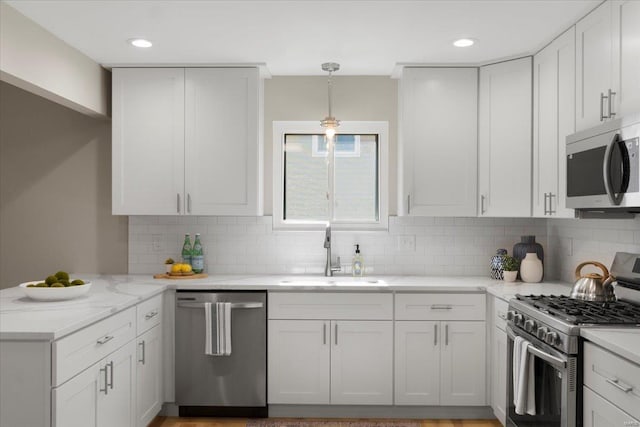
(178, 202)
(602, 98)
(324, 334)
(446, 334)
(151, 315)
(188, 202)
(106, 385)
(142, 346)
(105, 339)
(545, 203)
(336, 334)
(408, 204)
(617, 384)
(441, 307)
(610, 103)
(435, 335)
(110, 364)
(482, 210)
(551, 211)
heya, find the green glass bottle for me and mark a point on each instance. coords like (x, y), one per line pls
(197, 255)
(186, 250)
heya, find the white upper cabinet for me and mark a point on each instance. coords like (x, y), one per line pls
(608, 63)
(504, 150)
(553, 120)
(187, 141)
(148, 141)
(438, 141)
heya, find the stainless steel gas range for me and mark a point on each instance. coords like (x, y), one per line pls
(551, 325)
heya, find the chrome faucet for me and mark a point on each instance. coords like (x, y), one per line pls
(329, 267)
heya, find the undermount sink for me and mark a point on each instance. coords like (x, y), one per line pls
(346, 281)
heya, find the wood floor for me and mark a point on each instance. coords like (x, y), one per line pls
(238, 422)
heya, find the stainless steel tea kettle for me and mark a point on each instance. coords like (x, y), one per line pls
(593, 286)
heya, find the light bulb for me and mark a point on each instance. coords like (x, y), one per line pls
(140, 42)
(330, 132)
(463, 43)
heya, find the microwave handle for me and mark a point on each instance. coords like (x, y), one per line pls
(616, 199)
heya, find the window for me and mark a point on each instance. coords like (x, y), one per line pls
(349, 188)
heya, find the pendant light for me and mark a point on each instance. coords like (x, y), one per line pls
(330, 123)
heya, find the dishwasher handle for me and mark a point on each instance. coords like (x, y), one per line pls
(233, 305)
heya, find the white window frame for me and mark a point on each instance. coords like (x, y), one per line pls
(379, 128)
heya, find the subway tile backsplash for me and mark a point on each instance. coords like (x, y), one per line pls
(249, 245)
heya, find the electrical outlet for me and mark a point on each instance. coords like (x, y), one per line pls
(156, 242)
(407, 243)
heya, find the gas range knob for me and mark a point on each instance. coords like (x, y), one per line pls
(510, 314)
(542, 333)
(518, 319)
(551, 338)
(530, 325)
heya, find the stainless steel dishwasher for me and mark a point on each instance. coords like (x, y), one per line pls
(221, 363)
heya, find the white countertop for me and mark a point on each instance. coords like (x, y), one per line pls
(623, 341)
(24, 319)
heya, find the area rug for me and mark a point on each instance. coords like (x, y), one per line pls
(299, 422)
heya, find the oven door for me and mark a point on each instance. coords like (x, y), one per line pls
(555, 386)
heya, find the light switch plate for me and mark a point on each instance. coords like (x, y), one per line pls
(156, 242)
(407, 243)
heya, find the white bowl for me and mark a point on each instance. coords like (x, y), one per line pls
(54, 294)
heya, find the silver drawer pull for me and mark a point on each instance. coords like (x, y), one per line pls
(150, 315)
(106, 383)
(105, 339)
(441, 307)
(616, 383)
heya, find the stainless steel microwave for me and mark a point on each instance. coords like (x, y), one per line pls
(603, 166)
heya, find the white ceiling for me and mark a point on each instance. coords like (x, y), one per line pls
(293, 37)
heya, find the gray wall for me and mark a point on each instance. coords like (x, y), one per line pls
(55, 191)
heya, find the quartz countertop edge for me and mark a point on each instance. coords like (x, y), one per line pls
(624, 342)
(24, 319)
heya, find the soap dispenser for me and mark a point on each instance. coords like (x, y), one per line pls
(357, 265)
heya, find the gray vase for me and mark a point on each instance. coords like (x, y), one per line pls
(527, 244)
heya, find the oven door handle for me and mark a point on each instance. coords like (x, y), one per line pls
(553, 360)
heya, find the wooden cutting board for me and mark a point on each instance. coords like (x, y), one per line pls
(168, 276)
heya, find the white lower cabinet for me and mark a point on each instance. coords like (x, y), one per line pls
(499, 380)
(598, 412)
(102, 395)
(440, 363)
(149, 376)
(299, 361)
(330, 362)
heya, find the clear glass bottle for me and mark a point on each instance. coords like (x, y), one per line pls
(357, 266)
(186, 249)
(197, 255)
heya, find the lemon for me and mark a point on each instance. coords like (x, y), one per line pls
(186, 268)
(177, 268)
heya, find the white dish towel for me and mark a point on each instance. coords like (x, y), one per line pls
(217, 318)
(524, 382)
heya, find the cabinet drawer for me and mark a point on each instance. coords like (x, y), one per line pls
(82, 349)
(500, 308)
(339, 306)
(440, 307)
(614, 378)
(148, 314)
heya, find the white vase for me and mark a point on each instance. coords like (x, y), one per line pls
(509, 276)
(531, 268)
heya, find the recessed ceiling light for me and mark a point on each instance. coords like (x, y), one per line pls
(463, 43)
(140, 42)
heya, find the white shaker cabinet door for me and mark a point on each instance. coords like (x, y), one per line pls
(594, 66)
(626, 27)
(149, 376)
(499, 375)
(298, 361)
(148, 141)
(504, 150)
(599, 412)
(439, 144)
(222, 141)
(75, 403)
(417, 363)
(117, 406)
(463, 363)
(553, 121)
(362, 362)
